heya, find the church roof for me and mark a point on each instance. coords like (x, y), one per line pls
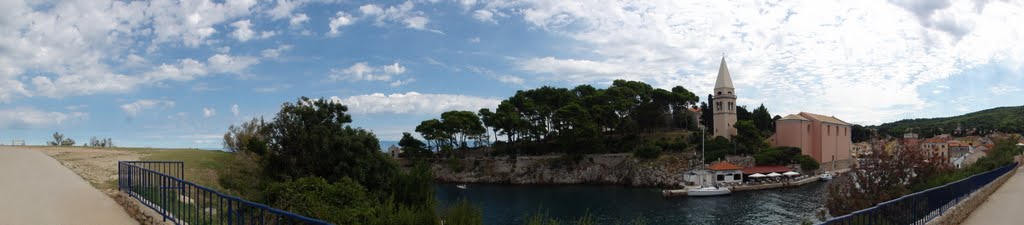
(724, 80)
(793, 117)
(822, 118)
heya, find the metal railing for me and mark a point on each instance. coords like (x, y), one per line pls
(921, 207)
(155, 185)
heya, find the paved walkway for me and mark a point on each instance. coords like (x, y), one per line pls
(1004, 205)
(36, 189)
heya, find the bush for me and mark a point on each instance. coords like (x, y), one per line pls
(647, 151)
(341, 202)
(58, 139)
(462, 213)
(808, 163)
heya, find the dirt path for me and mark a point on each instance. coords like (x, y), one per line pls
(1003, 206)
(36, 189)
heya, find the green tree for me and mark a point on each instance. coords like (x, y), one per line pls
(249, 137)
(312, 138)
(412, 147)
(763, 120)
(462, 125)
(707, 116)
(748, 139)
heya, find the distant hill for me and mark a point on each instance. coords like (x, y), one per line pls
(1002, 119)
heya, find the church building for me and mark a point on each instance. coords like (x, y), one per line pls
(724, 103)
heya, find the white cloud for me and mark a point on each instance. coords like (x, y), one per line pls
(397, 83)
(133, 109)
(362, 71)
(234, 109)
(28, 117)
(70, 48)
(402, 13)
(340, 20)
(484, 15)
(284, 9)
(275, 52)
(475, 40)
(230, 64)
(509, 79)
(298, 20)
(415, 103)
(861, 62)
(242, 31)
(1003, 89)
(209, 112)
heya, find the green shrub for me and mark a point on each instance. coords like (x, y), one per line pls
(462, 213)
(647, 151)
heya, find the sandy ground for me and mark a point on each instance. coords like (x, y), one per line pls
(97, 166)
(1003, 206)
(36, 189)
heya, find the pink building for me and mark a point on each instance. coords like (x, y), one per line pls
(824, 138)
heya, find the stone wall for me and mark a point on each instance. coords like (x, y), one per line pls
(138, 211)
(963, 209)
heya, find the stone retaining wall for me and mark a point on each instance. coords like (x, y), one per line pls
(138, 211)
(963, 209)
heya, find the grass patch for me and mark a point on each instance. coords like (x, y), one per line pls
(202, 167)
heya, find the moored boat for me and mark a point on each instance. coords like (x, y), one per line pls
(708, 191)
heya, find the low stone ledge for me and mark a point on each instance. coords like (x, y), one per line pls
(144, 215)
(959, 212)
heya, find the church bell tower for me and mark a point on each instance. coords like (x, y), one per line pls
(724, 103)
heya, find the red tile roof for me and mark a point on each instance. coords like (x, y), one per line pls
(935, 140)
(724, 165)
(765, 169)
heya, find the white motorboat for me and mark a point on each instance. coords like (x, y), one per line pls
(708, 191)
(826, 176)
(461, 186)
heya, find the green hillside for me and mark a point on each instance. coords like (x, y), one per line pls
(1002, 119)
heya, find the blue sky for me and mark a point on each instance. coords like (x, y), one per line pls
(167, 73)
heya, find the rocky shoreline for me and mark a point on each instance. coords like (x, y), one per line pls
(619, 169)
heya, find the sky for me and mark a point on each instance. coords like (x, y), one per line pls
(165, 73)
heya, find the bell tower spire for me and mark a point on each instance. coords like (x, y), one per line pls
(724, 103)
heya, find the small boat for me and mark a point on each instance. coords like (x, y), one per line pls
(708, 191)
(461, 186)
(826, 176)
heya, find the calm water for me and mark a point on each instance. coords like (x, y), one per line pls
(507, 205)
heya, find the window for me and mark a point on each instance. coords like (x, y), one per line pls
(719, 93)
(718, 106)
(844, 131)
(730, 92)
(808, 128)
(721, 177)
(829, 132)
(736, 176)
(730, 105)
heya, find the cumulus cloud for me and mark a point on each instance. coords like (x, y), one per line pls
(234, 109)
(242, 31)
(209, 112)
(134, 108)
(298, 20)
(28, 117)
(230, 64)
(402, 13)
(362, 71)
(275, 52)
(861, 62)
(415, 103)
(341, 19)
(484, 15)
(284, 8)
(65, 48)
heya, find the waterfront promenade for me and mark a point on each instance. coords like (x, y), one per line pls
(36, 189)
(1003, 206)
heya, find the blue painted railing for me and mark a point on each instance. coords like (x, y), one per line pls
(921, 207)
(160, 185)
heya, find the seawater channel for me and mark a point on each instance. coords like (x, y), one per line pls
(511, 204)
